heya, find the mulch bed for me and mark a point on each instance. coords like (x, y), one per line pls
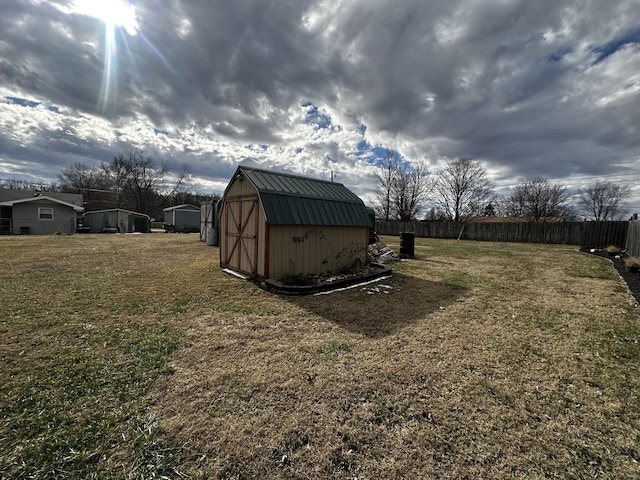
(330, 281)
(632, 279)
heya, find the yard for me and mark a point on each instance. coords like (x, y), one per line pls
(134, 356)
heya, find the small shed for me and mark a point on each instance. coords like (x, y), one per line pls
(182, 218)
(117, 220)
(39, 215)
(273, 225)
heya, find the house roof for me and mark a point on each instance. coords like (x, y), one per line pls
(185, 206)
(296, 200)
(40, 198)
(10, 194)
(118, 210)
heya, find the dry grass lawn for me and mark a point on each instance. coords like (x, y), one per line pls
(134, 356)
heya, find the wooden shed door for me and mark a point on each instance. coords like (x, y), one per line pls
(206, 219)
(241, 234)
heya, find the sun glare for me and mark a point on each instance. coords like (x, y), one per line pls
(114, 13)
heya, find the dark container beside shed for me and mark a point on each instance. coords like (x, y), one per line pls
(407, 245)
(213, 236)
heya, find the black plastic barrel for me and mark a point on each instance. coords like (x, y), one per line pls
(407, 244)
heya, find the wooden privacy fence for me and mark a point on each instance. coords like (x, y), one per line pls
(585, 234)
(633, 238)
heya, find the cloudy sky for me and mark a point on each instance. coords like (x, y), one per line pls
(530, 88)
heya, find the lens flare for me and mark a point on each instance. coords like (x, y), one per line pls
(114, 13)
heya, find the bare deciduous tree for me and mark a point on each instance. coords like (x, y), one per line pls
(140, 184)
(385, 179)
(603, 201)
(538, 199)
(462, 189)
(130, 181)
(489, 210)
(411, 188)
(402, 188)
(95, 186)
(14, 184)
(81, 177)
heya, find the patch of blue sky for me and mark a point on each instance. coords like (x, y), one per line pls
(54, 109)
(613, 46)
(381, 152)
(157, 131)
(315, 117)
(22, 102)
(299, 150)
(362, 128)
(363, 146)
(375, 154)
(254, 147)
(558, 55)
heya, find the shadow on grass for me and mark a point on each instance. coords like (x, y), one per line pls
(431, 260)
(382, 308)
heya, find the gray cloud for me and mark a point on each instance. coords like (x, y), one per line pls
(545, 88)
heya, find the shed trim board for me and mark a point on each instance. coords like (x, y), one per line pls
(273, 224)
(267, 248)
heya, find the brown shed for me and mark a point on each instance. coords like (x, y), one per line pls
(275, 224)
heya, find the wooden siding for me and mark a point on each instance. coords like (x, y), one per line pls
(280, 250)
(239, 260)
(305, 250)
(633, 238)
(602, 234)
(241, 234)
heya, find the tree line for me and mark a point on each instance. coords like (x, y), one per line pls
(462, 189)
(404, 191)
(131, 181)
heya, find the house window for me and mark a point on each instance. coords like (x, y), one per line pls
(45, 213)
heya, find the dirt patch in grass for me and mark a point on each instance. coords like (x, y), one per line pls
(475, 360)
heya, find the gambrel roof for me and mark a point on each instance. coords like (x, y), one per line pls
(296, 200)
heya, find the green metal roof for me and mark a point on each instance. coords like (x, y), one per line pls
(296, 200)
